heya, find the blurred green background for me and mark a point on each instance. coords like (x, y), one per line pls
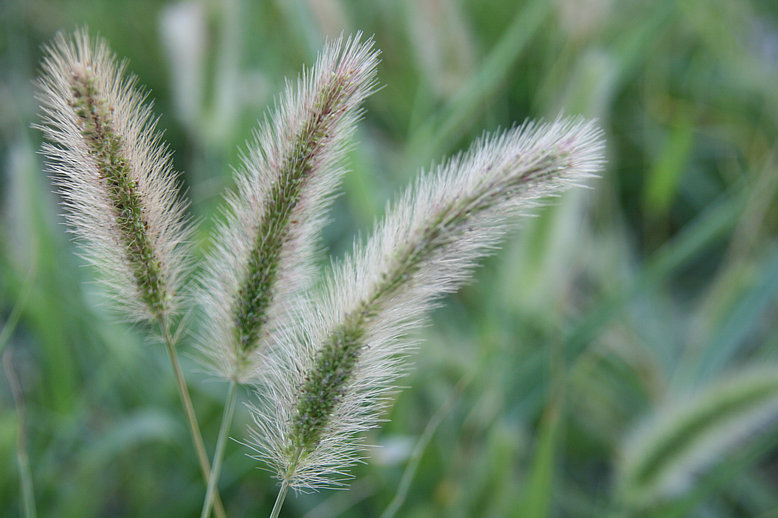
(616, 358)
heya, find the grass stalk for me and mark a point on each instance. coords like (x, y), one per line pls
(191, 417)
(280, 499)
(418, 451)
(16, 312)
(22, 458)
(218, 456)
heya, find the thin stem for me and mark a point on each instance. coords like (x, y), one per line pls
(280, 499)
(25, 475)
(218, 455)
(16, 312)
(418, 450)
(191, 417)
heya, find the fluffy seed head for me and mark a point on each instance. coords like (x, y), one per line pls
(263, 253)
(114, 174)
(331, 378)
(688, 434)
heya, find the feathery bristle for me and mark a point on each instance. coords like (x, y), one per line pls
(264, 249)
(114, 175)
(331, 378)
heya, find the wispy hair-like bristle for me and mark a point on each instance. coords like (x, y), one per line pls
(264, 248)
(114, 175)
(331, 378)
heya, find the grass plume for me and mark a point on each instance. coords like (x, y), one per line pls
(117, 183)
(114, 174)
(263, 253)
(332, 377)
(686, 436)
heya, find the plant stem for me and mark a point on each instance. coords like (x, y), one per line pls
(25, 475)
(191, 417)
(218, 455)
(280, 499)
(421, 445)
(16, 312)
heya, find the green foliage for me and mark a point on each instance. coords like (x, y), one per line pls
(658, 282)
(538, 491)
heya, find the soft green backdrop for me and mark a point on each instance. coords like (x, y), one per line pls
(658, 287)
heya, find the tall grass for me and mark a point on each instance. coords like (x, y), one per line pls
(594, 315)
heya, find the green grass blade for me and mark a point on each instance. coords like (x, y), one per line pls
(728, 337)
(693, 240)
(535, 501)
(440, 131)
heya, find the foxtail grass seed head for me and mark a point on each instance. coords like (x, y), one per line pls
(689, 433)
(114, 175)
(331, 379)
(264, 249)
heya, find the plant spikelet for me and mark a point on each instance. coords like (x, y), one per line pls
(114, 175)
(264, 249)
(688, 435)
(332, 378)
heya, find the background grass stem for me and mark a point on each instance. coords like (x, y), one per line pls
(420, 448)
(22, 458)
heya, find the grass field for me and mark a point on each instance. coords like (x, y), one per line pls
(617, 357)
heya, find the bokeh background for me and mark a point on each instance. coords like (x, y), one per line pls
(618, 356)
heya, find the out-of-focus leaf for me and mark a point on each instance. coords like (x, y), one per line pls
(536, 497)
(662, 181)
